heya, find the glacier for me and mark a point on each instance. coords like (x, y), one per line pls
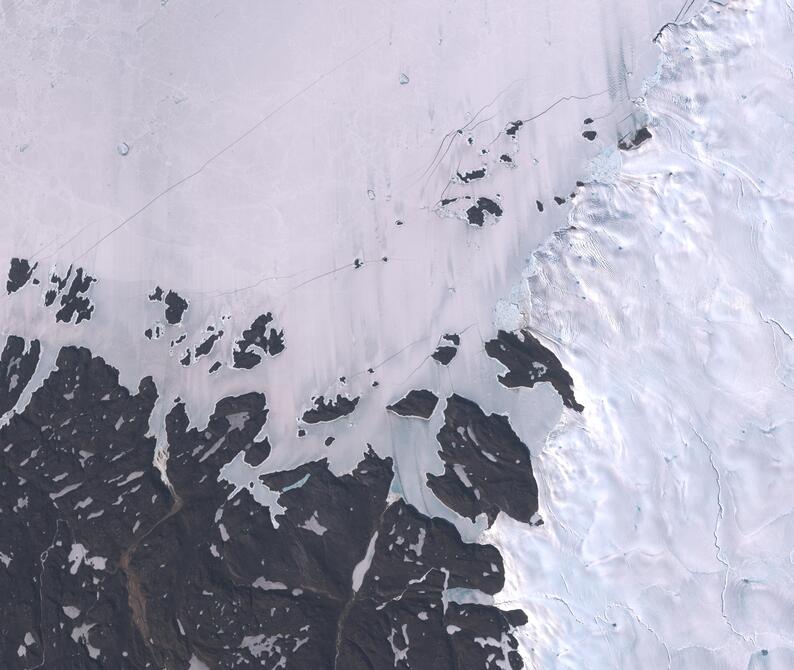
(668, 296)
(465, 326)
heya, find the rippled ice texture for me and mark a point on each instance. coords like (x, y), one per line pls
(669, 502)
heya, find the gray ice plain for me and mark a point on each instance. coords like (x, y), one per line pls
(271, 151)
(298, 160)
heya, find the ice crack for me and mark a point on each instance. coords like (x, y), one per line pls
(717, 522)
(631, 611)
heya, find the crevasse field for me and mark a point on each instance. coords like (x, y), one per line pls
(365, 336)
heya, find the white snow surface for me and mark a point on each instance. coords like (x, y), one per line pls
(244, 154)
(668, 503)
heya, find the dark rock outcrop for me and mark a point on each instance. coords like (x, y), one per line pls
(418, 403)
(487, 468)
(528, 363)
